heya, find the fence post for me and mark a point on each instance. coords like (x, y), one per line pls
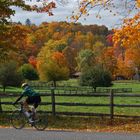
(111, 104)
(0, 105)
(53, 101)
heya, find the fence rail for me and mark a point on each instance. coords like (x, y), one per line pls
(111, 105)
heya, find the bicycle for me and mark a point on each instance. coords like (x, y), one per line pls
(19, 118)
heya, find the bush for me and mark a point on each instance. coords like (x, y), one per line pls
(28, 72)
(96, 77)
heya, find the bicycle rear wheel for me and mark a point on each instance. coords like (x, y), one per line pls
(41, 121)
(18, 119)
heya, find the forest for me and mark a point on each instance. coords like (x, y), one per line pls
(71, 45)
(58, 50)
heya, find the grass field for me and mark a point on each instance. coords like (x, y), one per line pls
(135, 85)
(86, 123)
(102, 100)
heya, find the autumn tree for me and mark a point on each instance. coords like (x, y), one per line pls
(109, 60)
(110, 5)
(132, 57)
(70, 56)
(56, 45)
(7, 11)
(129, 31)
(128, 39)
(14, 42)
(32, 60)
(132, 62)
(53, 67)
(123, 69)
(38, 37)
(124, 37)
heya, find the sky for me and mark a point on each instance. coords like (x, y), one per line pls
(62, 11)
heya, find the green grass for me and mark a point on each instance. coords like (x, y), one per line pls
(104, 100)
(11, 89)
(94, 100)
(131, 84)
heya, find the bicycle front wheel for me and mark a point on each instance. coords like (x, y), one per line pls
(41, 121)
(18, 119)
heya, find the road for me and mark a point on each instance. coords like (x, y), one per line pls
(32, 134)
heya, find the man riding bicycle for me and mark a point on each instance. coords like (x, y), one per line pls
(32, 98)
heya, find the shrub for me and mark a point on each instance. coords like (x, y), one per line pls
(96, 77)
(28, 72)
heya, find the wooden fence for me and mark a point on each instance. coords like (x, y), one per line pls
(111, 105)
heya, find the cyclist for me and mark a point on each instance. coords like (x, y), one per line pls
(32, 98)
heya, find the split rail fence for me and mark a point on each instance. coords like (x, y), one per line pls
(53, 93)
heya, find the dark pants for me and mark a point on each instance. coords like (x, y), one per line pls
(35, 100)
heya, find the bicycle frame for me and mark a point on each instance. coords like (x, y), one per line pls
(21, 109)
(38, 121)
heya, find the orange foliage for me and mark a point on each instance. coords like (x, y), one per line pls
(59, 58)
(47, 7)
(123, 69)
(32, 60)
(87, 5)
(129, 34)
(109, 60)
(132, 57)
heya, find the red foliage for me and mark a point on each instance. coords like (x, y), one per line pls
(32, 60)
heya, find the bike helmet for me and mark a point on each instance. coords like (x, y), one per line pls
(24, 85)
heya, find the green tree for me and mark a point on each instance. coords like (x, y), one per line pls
(9, 75)
(28, 22)
(29, 72)
(85, 59)
(96, 77)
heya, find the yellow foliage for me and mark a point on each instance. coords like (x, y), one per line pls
(129, 33)
(138, 3)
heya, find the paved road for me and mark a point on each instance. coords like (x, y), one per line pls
(28, 134)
